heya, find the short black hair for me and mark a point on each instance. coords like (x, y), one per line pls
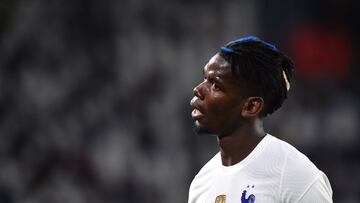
(266, 71)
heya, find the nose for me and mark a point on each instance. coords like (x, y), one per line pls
(197, 91)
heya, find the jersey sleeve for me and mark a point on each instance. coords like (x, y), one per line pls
(319, 192)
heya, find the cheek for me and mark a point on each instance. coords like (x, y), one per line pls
(223, 107)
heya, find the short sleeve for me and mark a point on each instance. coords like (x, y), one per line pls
(319, 192)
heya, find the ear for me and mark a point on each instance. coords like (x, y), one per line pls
(252, 107)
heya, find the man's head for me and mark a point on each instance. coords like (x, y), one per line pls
(246, 80)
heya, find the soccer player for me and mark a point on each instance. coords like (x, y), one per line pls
(244, 82)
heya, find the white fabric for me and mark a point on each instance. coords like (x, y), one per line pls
(273, 172)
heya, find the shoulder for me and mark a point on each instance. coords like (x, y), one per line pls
(319, 191)
(203, 180)
(208, 169)
(299, 163)
(298, 173)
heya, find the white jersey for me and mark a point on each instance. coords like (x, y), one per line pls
(273, 172)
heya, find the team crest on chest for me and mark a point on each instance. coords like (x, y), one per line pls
(250, 198)
(220, 199)
(245, 198)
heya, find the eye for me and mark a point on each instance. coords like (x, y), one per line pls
(215, 87)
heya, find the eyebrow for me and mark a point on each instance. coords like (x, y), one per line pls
(217, 73)
(217, 78)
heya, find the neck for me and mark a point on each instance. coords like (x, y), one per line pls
(238, 144)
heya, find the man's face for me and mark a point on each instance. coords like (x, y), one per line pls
(217, 101)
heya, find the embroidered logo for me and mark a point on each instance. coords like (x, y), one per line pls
(220, 199)
(251, 197)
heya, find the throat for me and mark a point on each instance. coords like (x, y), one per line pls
(234, 149)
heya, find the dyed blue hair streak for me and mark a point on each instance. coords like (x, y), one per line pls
(227, 48)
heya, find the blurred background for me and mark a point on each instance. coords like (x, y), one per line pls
(94, 95)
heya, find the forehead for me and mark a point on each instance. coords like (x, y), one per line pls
(217, 65)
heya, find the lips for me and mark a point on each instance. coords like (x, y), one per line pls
(197, 112)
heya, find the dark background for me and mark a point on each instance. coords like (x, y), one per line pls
(94, 95)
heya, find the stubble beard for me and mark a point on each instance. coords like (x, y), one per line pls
(201, 131)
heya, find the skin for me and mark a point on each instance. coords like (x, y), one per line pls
(221, 107)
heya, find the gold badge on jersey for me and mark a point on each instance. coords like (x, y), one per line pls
(220, 199)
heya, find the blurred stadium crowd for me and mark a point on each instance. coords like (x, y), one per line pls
(94, 95)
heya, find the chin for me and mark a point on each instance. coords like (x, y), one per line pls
(200, 130)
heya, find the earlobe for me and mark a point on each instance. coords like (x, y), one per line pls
(252, 107)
